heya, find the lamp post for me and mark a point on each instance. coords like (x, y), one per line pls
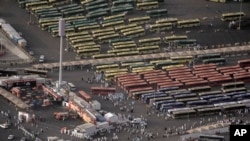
(240, 15)
(61, 34)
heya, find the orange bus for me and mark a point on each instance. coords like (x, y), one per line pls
(85, 96)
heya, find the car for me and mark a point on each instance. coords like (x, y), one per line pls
(41, 58)
(11, 137)
(5, 125)
(31, 53)
(136, 121)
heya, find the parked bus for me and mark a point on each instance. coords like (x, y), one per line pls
(88, 52)
(123, 2)
(85, 96)
(232, 16)
(149, 41)
(214, 60)
(209, 93)
(160, 27)
(166, 107)
(157, 13)
(137, 95)
(139, 20)
(121, 9)
(42, 73)
(121, 27)
(106, 38)
(147, 5)
(199, 89)
(96, 7)
(183, 114)
(135, 33)
(149, 49)
(185, 43)
(197, 103)
(209, 111)
(212, 137)
(114, 51)
(173, 21)
(113, 24)
(188, 23)
(182, 59)
(209, 56)
(30, 5)
(106, 55)
(233, 85)
(157, 105)
(122, 16)
(219, 99)
(156, 99)
(170, 39)
(106, 66)
(79, 11)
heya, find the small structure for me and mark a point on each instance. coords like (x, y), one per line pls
(88, 129)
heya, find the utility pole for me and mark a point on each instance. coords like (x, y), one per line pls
(61, 34)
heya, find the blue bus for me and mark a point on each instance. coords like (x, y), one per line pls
(188, 95)
(207, 97)
(165, 107)
(241, 96)
(197, 103)
(147, 98)
(219, 99)
(144, 96)
(157, 105)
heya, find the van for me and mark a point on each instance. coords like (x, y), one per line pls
(41, 58)
(72, 87)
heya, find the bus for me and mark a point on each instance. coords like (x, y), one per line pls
(81, 40)
(232, 85)
(157, 104)
(185, 113)
(157, 13)
(244, 63)
(88, 27)
(239, 89)
(106, 38)
(209, 93)
(188, 95)
(209, 111)
(167, 106)
(170, 39)
(165, 63)
(113, 24)
(88, 52)
(199, 89)
(96, 15)
(129, 53)
(137, 95)
(122, 2)
(149, 49)
(96, 7)
(85, 96)
(185, 43)
(212, 138)
(130, 29)
(118, 28)
(209, 56)
(102, 30)
(182, 59)
(42, 73)
(188, 23)
(128, 64)
(160, 27)
(135, 33)
(131, 46)
(156, 99)
(219, 99)
(106, 66)
(197, 103)
(123, 43)
(149, 41)
(219, 61)
(147, 5)
(232, 16)
(79, 11)
(94, 2)
(106, 55)
(167, 20)
(121, 9)
(139, 20)
(30, 5)
(114, 51)
(122, 16)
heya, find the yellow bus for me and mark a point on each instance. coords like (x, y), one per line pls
(125, 26)
(105, 55)
(40, 7)
(113, 24)
(122, 15)
(88, 52)
(147, 5)
(135, 33)
(115, 70)
(172, 38)
(105, 39)
(159, 61)
(119, 50)
(106, 66)
(97, 35)
(130, 29)
(172, 66)
(48, 20)
(188, 23)
(89, 27)
(35, 4)
(139, 20)
(128, 64)
(160, 27)
(132, 45)
(68, 35)
(102, 30)
(44, 26)
(129, 53)
(149, 49)
(82, 40)
(123, 43)
(182, 59)
(69, 29)
(79, 37)
(87, 47)
(76, 46)
(110, 76)
(167, 20)
(232, 16)
(149, 41)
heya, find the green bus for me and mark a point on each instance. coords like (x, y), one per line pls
(215, 60)
(121, 9)
(157, 13)
(149, 41)
(188, 23)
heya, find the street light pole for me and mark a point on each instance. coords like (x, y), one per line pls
(240, 15)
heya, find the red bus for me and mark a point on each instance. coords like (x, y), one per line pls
(244, 63)
(85, 96)
(102, 90)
